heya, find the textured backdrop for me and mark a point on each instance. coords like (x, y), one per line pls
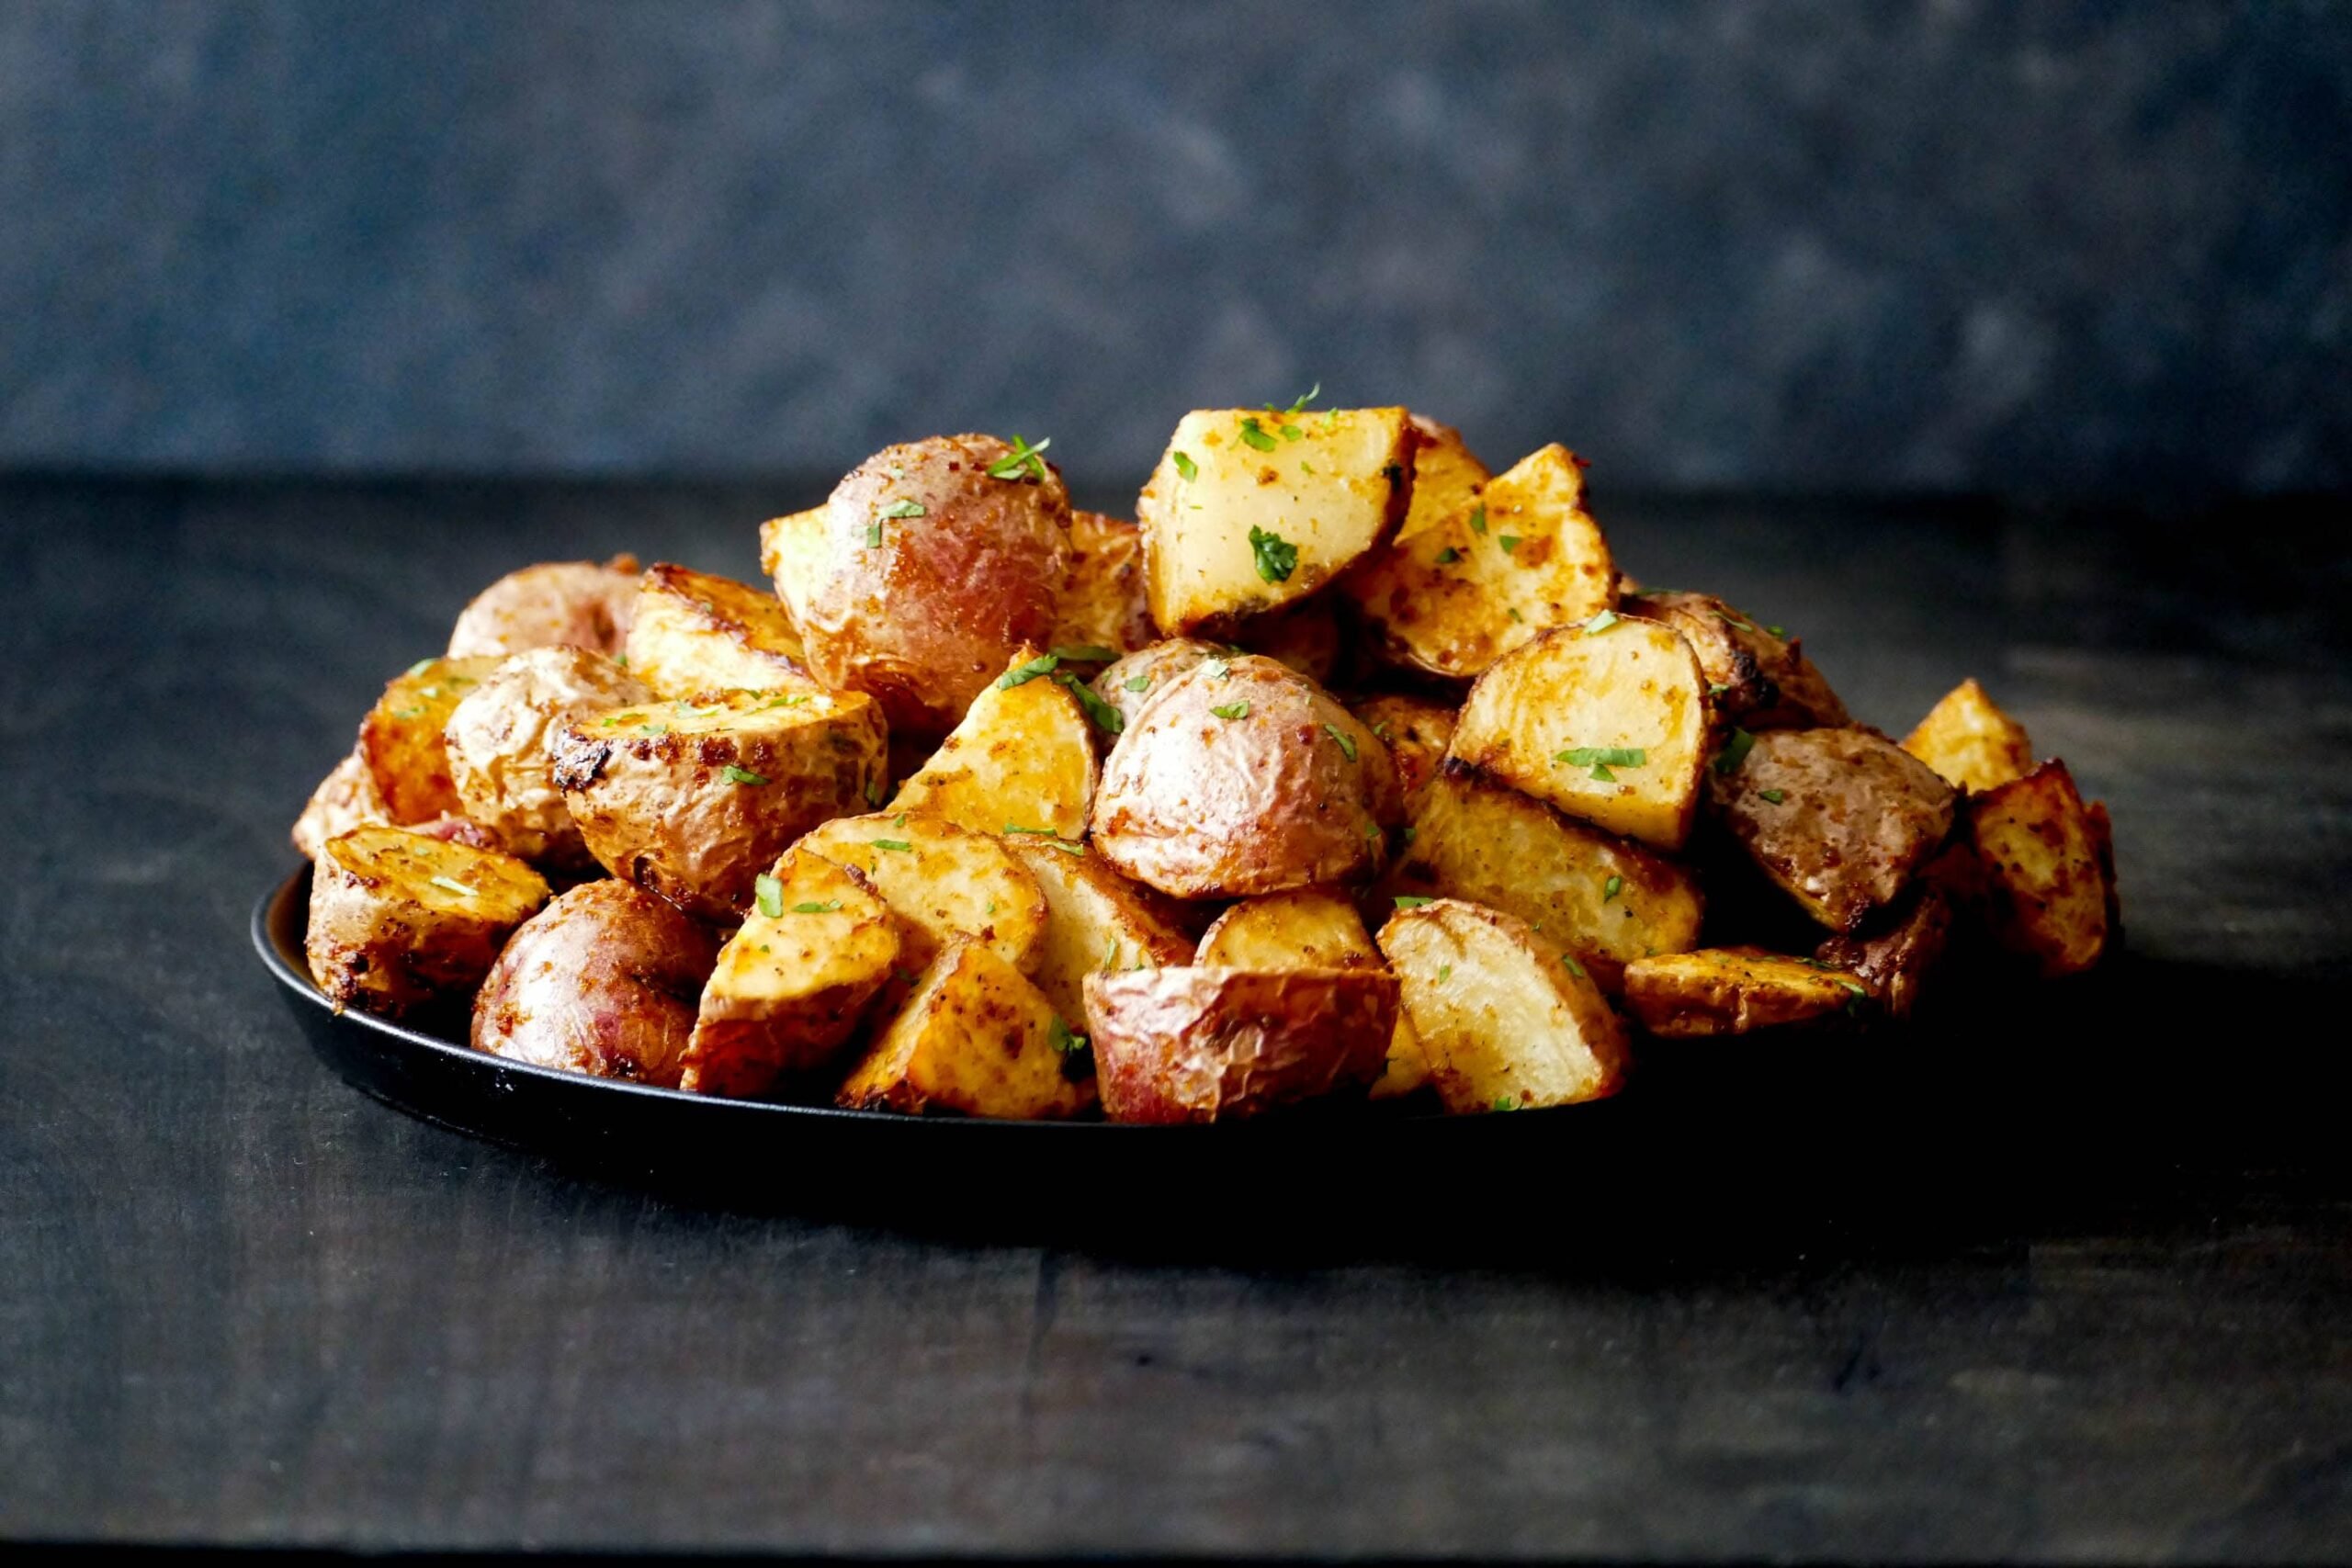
(1812, 245)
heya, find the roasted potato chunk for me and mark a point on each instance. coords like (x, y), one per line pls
(2047, 891)
(1023, 757)
(792, 982)
(1759, 677)
(1507, 1023)
(1604, 900)
(1607, 721)
(976, 1039)
(695, 633)
(792, 552)
(1518, 558)
(1222, 1044)
(693, 800)
(1102, 602)
(1736, 990)
(401, 739)
(402, 920)
(1447, 477)
(1970, 742)
(1243, 776)
(499, 741)
(574, 603)
(602, 981)
(346, 798)
(1312, 928)
(942, 882)
(1251, 510)
(1096, 920)
(933, 571)
(1417, 732)
(1839, 819)
(1135, 679)
(1895, 962)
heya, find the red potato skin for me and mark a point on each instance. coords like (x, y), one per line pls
(606, 981)
(1211, 1045)
(574, 603)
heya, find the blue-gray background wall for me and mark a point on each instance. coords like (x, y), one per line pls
(1806, 246)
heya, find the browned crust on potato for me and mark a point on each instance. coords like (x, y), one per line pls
(1417, 730)
(499, 742)
(1736, 990)
(1757, 679)
(401, 922)
(402, 737)
(1212, 1045)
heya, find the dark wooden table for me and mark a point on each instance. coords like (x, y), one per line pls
(2080, 1286)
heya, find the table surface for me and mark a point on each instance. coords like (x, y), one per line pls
(2101, 1307)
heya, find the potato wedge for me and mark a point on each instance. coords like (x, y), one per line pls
(1305, 635)
(1604, 900)
(976, 1039)
(1759, 677)
(1096, 920)
(1243, 516)
(402, 740)
(1417, 731)
(695, 633)
(1222, 1044)
(1024, 756)
(574, 603)
(1312, 928)
(694, 800)
(1736, 990)
(402, 920)
(1506, 1022)
(792, 982)
(1970, 742)
(346, 798)
(602, 981)
(1102, 602)
(499, 740)
(931, 574)
(1609, 722)
(943, 882)
(792, 552)
(1839, 819)
(1141, 675)
(2047, 893)
(1447, 477)
(1243, 776)
(1895, 962)
(1519, 556)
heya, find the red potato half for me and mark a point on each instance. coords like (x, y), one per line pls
(575, 603)
(1217, 1044)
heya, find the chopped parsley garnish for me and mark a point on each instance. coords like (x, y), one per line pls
(1778, 631)
(826, 908)
(1254, 436)
(1107, 719)
(1411, 901)
(1140, 683)
(1067, 846)
(1717, 688)
(1574, 968)
(1734, 750)
(899, 509)
(1516, 616)
(1216, 668)
(1022, 674)
(1444, 973)
(898, 844)
(1023, 457)
(770, 893)
(1478, 518)
(1505, 1102)
(1277, 556)
(874, 791)
(873, 536)
(790, 701)
(1448, 556)
(1858, 989)
(1086, 653)
(421, 666)
(1298, 404)
(897, 473)
(1774, 796)
(899, 821)
(1232, 710)
(1292, 433)
(1605, 756)
(1381, 729)
(455, 887)
(1405, 834)
(743, 775)
(1601, 771)
(1731, 620)
(1347, 742)
(1185, 465)
(1600, 623)
(1078, 1057)
(653, 730)
(417, 712)
(1610, 889)
(1509, 542)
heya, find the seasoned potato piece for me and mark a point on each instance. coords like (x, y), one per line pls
(792, 552)
(1221, 1044)
(602, 981)
(1416, 731)
(976, 1038)
(1312, 928)
(1305, 635)
(574, 603)
(1758, 678)
(499, 741)
(1508, 1024)
(1734, 990)
(346, 798)
(2047, 894)
(1604, 900)
(1970, 741)
(696, 633)
(402, 740)
(693, 800)
(1243, 515)
(932, 572)
(1241, 777)
(400, 921)
(1023, 757)
(1895, 962)
(1608, 722)
(1521, 556)
(791, 984)
(1101, 602)
(1447, 477)
(1839, 819)
(1096, 920)
(1141, 675)
(942, 882)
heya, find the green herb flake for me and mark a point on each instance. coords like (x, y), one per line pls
(1509, 542)
(455, 887)
(1078, 1058)
(1304, 466)
(874, 791)
(1298, 404)
(1253, 436)
(826, 908)
(1601, 771)
(1215, 669)
(1140, 683)
(1277, 556)
(1731, 620)
(1086, 653)
(1185, 465)
(1292, 433)
(1574, 968)
(1600, 623)
(1022, 674)
(1505, 1102)
(1444, 973)
(899, 845)
(1855, 987)
(1610, 889)
(991, 907)
(1516, 616)
(1232, 710)
(421, 666)
(1023, 460)
(1448, 556)
(1107, 719)
(653, 730)
(1347, 742)
(1775, 796)
(1478, 518)
(902, 508)
(1411, 901)
(408, 713)
(743, 775)
(1780, 631)
(770, 893)
(1605, 756)
(873, 536)
(1717, 688)
(1405, 834)
(1734, 750)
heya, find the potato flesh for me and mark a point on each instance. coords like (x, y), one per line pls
(1507, 1023)
(402, 920)
(1447, 477)
(1417, 732)
(500, 741)
(574, 603)
(2046, 892)
(346, 798)
(943, 882)
(1215, 1044)
(695, 632)
(1634, 686)
(1312, 928)
(1756, 679)
(1521, 557)
(1734, 991)
(789, 987)
(401, 739)
(1603, 899)
(1970, 742)
(1096, 921)
(792, 552)
(976, 1038)
(1335, 492)
(1024, 756)
(1102, 602)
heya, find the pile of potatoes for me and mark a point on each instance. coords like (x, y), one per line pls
(1349, 771)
